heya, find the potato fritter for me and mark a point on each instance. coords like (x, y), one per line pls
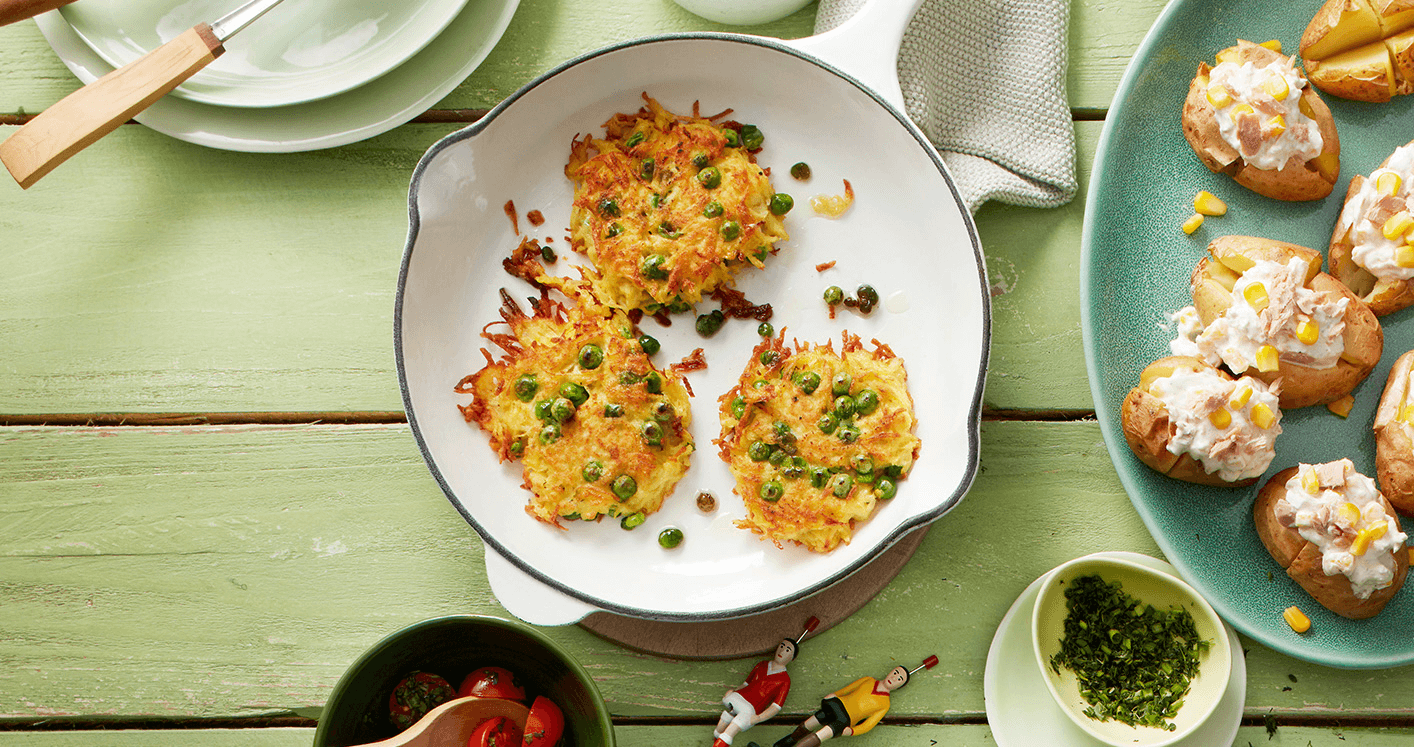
(816, 438)
(598, 429)
(669, 207)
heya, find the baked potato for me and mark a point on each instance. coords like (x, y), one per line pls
(1262, 124)
(1394, 437)
(1370, 250)
(1267, 309)
(1361, 49)
(1335, 535)
(1193, 422)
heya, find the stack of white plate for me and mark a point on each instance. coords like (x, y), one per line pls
(310, 74)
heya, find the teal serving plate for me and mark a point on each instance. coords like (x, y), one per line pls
(1134, 270)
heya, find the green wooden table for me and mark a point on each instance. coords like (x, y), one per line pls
(210, 501)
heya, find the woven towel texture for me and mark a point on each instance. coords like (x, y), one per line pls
(985, 81)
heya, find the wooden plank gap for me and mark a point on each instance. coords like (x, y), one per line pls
(1050, 416)
(373, 417)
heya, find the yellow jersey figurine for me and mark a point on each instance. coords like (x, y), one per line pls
(854, 709)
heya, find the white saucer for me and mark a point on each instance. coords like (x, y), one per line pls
(1021, 712)
(371, 109)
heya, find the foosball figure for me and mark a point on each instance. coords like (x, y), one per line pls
(854, 709)
(763, 693)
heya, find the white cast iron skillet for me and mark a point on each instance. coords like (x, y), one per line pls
(908, 234)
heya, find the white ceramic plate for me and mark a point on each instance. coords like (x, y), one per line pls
(906, 234)
(1021, 711)
(302, 50)
(371, 109)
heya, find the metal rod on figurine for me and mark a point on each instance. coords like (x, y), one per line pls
(762, 694)
(853, 709)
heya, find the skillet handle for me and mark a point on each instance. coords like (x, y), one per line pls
(18, 10)
(866, 46)
(530, 599)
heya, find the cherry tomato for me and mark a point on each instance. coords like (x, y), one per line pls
(545, 725)
(415, 695)
(497, 731)
(491, 682)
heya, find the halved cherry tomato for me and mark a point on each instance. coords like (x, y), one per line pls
(491, 682)
(545, 725)
(497, 731)
(415, 695)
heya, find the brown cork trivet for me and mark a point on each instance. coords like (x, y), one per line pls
(757, 634)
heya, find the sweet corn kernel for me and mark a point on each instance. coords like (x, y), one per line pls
(1220, 418)
(1242, 109)
(1348, 513)
(1256, 295)
(1262, 416)
(1308, 332)
(1219, 96)
(1398, 224)
(1267, 359)
(1276, 126)
(1239, 397)
(1341, 406)
(1227, 55)
(1192, 224)
(1310, 482)
(1297, 619)
(1404, 255)
(1207, 204)
(1388, 183)
(1361, 545)
(1272, 44)
(1276, 86)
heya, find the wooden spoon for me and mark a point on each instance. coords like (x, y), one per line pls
(451, 724)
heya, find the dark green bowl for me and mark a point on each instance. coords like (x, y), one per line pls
(357, 711)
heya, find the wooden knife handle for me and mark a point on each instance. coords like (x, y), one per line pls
(95, 110)
(19, 10)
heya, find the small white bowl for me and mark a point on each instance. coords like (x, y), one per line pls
(1157, 589)
(743, 12)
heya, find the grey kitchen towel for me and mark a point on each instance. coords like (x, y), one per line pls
(985, 81)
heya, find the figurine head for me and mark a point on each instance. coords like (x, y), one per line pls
(896, 678)
(785, 652)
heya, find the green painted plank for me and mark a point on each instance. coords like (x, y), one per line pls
(236, 571)
(150, 275)
(1103, 35)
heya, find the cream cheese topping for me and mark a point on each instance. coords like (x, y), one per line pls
(1339, 511)
(1240, 450)
(1363, 218)
(1260, 141)
(1234, 338)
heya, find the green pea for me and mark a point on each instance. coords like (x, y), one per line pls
(808, 381)
(761, 253)
(781, 203)
(801, 171)
(710, 177)
(593, 470)
(591, 357)
(738, 407)
(574, 393)
(633, 520)
(770, 357)
(571, 517)
(730, 230)
(777, 458)
(834, 295)
(866, 401)
(518, 447)
(827, 423)
(864, 479)
(561, 410)
(649, 344)
(635, 139)
(841, 383)
(867, 295)
(819, 477)
(653, 383)
(677, 307)
(547, 253)
(844, 406)
(733, 139)
(710, 324)
(862, 464)
(629, 378)
(751, 137)
(623, 487)
(614, 230)
(656, 200)
(670, 538)
(848, 434)
(663, 411)
(840, 485)
(759, 451)
(613, 411)
(884, 488)
(550, 434)
(652, 433)
(526, 386)
(787, 442)
(765, 329)
(609, 207)
(652, 267)
(700, 161)
(794, 469)
(759, 383)
(645, 169)
(893, 471)
(781, 428)
(668, 230)
(771, 491)
(544, 410)
(713, 210)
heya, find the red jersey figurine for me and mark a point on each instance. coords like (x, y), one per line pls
(763, 693)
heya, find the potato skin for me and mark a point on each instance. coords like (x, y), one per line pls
(1394, 440)
(1296, 181)
(1147, 428)
(1301, 386)
(1302, 560)
(1382, 296)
